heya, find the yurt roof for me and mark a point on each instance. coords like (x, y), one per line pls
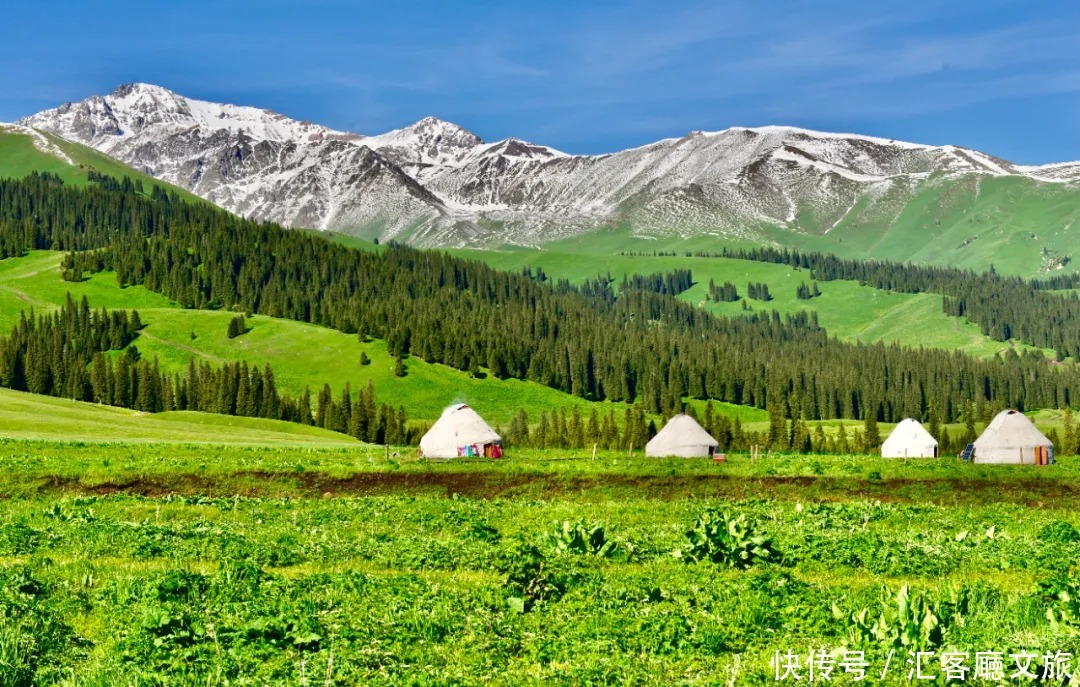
(459, 425)
(1011, 428)
(909, 432)
(682, 430)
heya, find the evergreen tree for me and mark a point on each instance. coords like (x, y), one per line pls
(518, 434)
(576, 429)
(969, 424)
(304, 407)
(843, 446)
(778, 429)
(1070, 441)
(237, 326)
(871, 434)
(592, 428)
(801, 442)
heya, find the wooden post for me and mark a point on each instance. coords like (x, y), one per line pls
(630, 450)
(594, 451)
(388, 452)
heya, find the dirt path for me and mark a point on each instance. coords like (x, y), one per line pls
(1032, 492)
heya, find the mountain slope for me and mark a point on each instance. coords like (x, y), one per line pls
(24, 150)
(434, 183)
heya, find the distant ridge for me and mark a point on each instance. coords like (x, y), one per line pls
(435, 183)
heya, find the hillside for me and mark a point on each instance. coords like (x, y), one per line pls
(846, 309)
(461, 318)
(31, 416)
(306, 355)
(301, 354)
(24, 150)
(434, 183)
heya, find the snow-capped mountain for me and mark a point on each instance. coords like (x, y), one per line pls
(435, 183)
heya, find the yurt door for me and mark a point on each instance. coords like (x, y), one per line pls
(1040, 455)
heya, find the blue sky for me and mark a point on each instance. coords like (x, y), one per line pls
(585, 77)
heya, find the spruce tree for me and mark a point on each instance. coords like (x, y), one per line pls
(871, 434)
(1070, 441)
(518, 434)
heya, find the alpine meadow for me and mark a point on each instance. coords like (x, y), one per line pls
(286, 404)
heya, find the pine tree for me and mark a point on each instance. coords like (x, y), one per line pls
(518, 434)
(843, 446)
(871, 434)
(237, 326)
(778, 429)
(969, 424)
(543, 430)
(575, 429)
(934, 423)
(592, 428)
(304, 407)
(801, 442)
(1070, 441)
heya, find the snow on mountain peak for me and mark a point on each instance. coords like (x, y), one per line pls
(442, 183)
(425, 143)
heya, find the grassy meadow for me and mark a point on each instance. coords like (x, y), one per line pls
(181, 564)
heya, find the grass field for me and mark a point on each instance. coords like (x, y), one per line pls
(30, 416)
(148, 564)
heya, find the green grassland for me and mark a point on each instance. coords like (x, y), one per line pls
(19, 157)
(1004, 221)
(845, 308)
(149, 564)
(30, 416)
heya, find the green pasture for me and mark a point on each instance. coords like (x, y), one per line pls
(132, 563)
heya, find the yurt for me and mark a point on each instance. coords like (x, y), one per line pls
(1012, 438)
(460, 432)
(909, 440)
(681, 437)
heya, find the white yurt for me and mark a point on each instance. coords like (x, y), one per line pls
(910, 440)
(460, 432)
(682, 437)
(1012, 438)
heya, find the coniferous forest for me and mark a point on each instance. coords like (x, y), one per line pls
(641, 344)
